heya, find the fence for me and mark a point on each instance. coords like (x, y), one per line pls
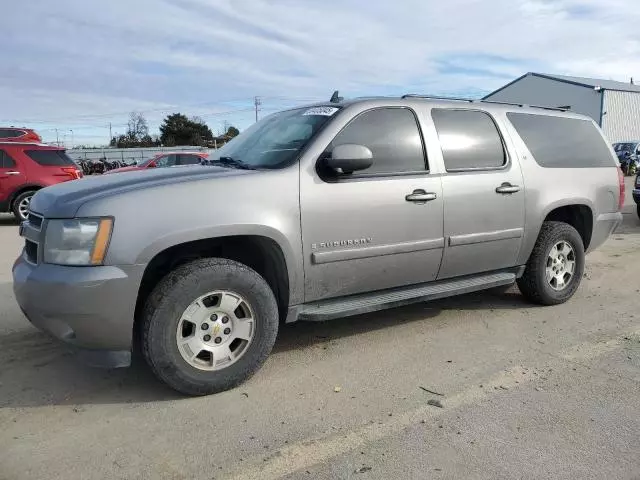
(126, 155)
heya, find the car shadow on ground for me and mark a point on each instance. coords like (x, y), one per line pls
(8, 221)
(306, 334)
(36, 370)
(630, 221)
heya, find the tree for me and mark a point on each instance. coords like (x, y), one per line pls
(137, 128)
(137, 134)
(177, 129)
(232, 132)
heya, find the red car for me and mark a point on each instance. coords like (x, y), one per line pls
(26, 166)
(169, 159)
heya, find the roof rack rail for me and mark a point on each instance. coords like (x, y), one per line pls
(471, 100)
(436, 97)
(524, 105)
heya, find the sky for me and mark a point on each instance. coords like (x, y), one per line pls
(78, 65)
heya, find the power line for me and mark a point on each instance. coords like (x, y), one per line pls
(167, 108)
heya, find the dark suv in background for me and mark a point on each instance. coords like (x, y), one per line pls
(636, 194)
(26, 166)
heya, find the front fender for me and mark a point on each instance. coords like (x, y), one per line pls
(291, 257)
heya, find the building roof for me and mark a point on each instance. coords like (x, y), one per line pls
(580, 81)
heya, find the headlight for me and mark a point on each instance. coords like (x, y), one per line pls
(81, 241)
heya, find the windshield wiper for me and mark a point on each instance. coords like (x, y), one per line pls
(231, 162)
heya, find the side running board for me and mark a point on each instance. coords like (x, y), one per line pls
(380, 300)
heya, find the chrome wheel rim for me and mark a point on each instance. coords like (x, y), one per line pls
(561, 265)
(23, 207)
(215, 330)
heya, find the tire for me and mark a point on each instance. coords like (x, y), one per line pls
(638, 210)
(167, 306)
(21, 204)
(534, 284)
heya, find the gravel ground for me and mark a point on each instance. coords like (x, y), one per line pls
(480, 386)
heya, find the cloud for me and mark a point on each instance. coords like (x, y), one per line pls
(73, 63)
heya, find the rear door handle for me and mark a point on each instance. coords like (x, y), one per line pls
(12, 173)
(420, 196)
(506, 188)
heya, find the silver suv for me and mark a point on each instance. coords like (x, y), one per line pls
(315, 213)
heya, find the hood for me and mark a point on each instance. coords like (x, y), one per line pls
(64, 199)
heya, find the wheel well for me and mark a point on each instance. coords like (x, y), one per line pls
(262, 254)
(579, 217)
(27, 188)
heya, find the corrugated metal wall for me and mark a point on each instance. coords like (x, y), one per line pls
(621, 120)
(552, 93)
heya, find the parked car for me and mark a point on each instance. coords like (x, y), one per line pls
(636, 194)
(628, 156)
(311, 214)
(162, 160)
(26, 166)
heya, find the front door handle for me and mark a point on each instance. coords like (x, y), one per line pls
(420, 196)
(506, 188)
(12, 173)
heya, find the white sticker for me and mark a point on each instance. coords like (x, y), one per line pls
(324, 111)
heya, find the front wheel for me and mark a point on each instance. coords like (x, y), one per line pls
(21, 205)
(556, 265)
(208, 326)
(638, 210)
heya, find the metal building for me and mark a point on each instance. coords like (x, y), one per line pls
(615, 106)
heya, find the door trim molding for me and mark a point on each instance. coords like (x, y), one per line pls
(469, 239)
(376, 251)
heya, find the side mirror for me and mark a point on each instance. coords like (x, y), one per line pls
(152, 165)
(350, 157)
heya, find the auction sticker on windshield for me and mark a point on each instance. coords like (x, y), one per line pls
(325, 111)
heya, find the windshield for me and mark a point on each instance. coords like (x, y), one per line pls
(276, 140)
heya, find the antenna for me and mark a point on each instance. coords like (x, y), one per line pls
(336, 98)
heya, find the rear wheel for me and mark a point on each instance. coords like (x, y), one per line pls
(21, 205)
(556, 265)
(638, 210)
(209, 325)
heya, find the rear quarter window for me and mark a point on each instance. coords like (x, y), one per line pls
(560, 142)
(50, 158)
(10, 133)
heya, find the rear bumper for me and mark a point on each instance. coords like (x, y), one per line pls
(89, 308)
(635, 193)
(604, 225)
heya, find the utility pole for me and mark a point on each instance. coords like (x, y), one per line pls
(71, 138)
(257, 102)
(110, 136)
(57, 139)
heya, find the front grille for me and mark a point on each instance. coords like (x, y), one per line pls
(35, 220)
(31, 251)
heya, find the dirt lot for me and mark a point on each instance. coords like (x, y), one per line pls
(526, 392)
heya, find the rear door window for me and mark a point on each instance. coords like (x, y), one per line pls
(6, 161)
(469, 140)
(561, 142)
(50, 158)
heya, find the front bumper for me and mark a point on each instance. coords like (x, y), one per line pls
(635, 193)
(89, 308)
